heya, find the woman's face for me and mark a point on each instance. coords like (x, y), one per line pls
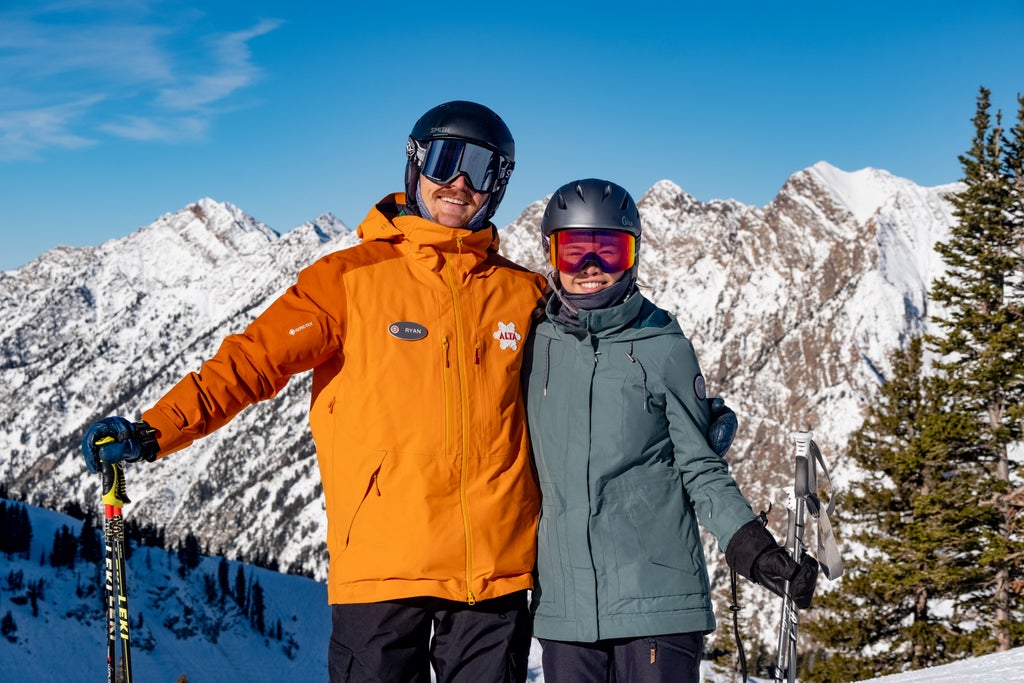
(589, 280)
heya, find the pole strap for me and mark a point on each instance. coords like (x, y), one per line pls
(829, 555)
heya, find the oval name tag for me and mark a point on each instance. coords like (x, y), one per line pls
(407, 331)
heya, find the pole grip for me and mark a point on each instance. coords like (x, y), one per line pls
(802, 483)
(114, 492)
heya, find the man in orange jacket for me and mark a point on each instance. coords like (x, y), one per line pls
(415, 339)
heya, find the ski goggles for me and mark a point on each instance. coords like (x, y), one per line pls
(612, 250)
(442, 161)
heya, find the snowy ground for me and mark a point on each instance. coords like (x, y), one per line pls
(1001, 667)
(183, 633)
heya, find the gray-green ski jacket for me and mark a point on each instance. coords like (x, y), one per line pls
(618, 419)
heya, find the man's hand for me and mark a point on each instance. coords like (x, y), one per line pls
(115, 439)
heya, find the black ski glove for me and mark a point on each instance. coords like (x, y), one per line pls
(115, 439)
(754, 554)
(722, 429)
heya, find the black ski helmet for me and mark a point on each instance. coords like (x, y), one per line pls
(591, 203)
(461, 120)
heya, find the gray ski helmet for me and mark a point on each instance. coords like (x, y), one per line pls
(461, 120)
(591, 203)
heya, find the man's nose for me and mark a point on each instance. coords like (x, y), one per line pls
(460, 182)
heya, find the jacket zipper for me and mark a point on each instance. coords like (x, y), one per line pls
(464, 400)
(448, 426)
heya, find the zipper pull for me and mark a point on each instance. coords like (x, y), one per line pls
(444, 347)
(654, 649)
(470, 598)
(476, 358)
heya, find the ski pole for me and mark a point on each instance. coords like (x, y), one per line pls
(114, 498)
(804, 489)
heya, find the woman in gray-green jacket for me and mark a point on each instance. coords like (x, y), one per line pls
(619, 417)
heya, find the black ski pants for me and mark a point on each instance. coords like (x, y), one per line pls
(399, 641)
(653, 659)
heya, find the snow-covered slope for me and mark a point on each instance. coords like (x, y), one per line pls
(184, 625)
(1000, 667)
(177, 628)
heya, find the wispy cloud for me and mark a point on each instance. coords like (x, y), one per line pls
(233, 69)
(75, 73)
(162, 129)
(23, 132)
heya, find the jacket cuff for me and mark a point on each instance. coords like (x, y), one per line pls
(168, 435)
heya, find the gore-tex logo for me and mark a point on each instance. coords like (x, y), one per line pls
(507, 336)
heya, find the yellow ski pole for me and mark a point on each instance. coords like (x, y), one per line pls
(118, 626)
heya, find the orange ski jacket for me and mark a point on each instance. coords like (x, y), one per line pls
(415, 338)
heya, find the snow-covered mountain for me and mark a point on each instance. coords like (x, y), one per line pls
(793, 309)
(106, 330)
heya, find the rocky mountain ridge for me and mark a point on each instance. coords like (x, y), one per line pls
(793, 309)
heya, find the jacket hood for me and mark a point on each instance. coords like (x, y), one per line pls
(387, 221)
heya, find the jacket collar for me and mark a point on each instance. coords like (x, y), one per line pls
(426, 242)
(634, 318)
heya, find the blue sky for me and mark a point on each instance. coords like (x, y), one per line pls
(114, 112)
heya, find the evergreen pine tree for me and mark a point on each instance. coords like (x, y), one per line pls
(1014, 169)
(222, 576)
(257, 611)
(6, 530)
(90, 548)
(908, 515)
(8, 628)
(980, 364)
(240, 588)
(24, 531)
(189, 553)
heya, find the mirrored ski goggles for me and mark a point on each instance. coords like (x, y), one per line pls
(612, 250)
(442, 161)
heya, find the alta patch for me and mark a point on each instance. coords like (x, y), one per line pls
(507, 336)
(407, 331)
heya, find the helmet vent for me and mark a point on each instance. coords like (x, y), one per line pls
(561, 200)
